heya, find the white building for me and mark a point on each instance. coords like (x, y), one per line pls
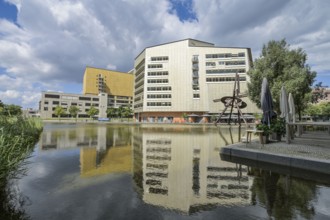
(184, 77)
(50, 100)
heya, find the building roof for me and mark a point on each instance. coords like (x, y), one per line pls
(192, 45)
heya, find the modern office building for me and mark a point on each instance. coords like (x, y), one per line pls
(50, 100)
(118, 85)
(101, 88)
(184, 77)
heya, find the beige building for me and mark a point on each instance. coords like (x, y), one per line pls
(184, 77)
(118, 85)
(50, 100)
(101, 88)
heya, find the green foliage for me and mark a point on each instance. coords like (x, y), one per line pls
(262, 127)
(278, 126)
(18, 136)
(10, 110)
(73, 110)
(282, 66)
(92, 112)
(111, 112)
(59, 111)
(322, 108)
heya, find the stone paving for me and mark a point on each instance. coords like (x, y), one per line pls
(315, 145)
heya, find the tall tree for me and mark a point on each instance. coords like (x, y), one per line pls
(111, 112)
(11, 110)
(73, 110)
(59, 111)
(92, 112)
(282, 66)
(127, 112)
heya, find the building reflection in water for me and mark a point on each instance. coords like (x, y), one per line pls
(181, 169)
(103, 149)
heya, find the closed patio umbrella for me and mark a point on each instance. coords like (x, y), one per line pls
(292, 109)
(284, 106)
(267, 105)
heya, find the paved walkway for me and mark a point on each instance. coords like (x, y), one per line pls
(307, 152)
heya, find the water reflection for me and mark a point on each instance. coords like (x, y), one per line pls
(173, 168)
(103, 149)
(181, 170)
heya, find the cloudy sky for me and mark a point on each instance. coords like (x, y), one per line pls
(46, 44)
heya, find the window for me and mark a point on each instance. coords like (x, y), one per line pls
(45, 108)
(154, 66)
(210, 64)
(238, 62)
(162, 58)
(52, 96)
(224, 71)
(56, 102)
(159, 103)
(87, 104)
(196, 96)
(84, 98)
(159, 73)
(159, 96)
(224, 79)
(157, 80)
(46, 102)
(96, 99)
(164, 88)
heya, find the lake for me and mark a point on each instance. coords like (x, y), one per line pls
(100, 171)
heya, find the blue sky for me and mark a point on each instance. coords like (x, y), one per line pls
(46, 45)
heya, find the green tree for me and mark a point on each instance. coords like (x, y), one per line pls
(11, 110)
(74, 111)
(59, 111)
(92, 112)
(318, 92)
(282, 66)
(127, 112)
(111, 112)
(120, 111)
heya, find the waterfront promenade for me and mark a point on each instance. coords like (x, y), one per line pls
(309, 152)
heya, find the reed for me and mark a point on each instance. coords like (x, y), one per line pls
(18, 136)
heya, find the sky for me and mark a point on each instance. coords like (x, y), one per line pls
(45, 45)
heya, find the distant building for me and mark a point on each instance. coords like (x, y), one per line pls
(118, 85)
(184, 77)
(101, 88)
(50, 100)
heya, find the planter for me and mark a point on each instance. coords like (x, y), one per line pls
(276, 136)
(264, 139)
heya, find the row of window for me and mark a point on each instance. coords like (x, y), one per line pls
(227, 63)
(224, 79)
(162, 58)
(155, 66)
(159, 96)
(157, 80)
(159, 73)
(224, 55)
(159, 104)
(163, 88)
(224, 71)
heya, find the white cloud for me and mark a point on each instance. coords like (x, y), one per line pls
(53, 41)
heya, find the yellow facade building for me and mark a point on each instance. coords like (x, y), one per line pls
(118, 85)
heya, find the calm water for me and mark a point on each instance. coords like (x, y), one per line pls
(163, 172)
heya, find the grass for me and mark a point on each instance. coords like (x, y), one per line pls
(18, 136)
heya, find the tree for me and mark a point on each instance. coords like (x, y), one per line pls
(282, 66)
(120, 111)
(92, 112)
(111, 112)
(11, 110)
(127, 112)
(74, 111)
(318, 92)
(59, 111)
